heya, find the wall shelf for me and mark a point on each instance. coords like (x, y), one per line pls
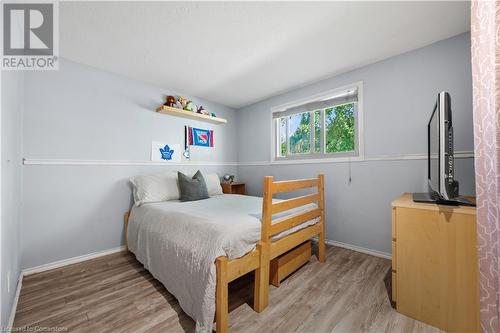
(188, 114)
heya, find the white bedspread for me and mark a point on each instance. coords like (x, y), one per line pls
(178, 243)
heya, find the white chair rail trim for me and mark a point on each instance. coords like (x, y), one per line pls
(400, 157)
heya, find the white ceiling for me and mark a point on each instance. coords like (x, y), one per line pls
(237, 53)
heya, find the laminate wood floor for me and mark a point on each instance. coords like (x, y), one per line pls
(116, 294)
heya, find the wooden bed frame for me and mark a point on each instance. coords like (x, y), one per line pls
(259, 259)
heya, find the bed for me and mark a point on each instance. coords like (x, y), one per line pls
(196, 248)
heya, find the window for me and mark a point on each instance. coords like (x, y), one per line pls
(324, 127)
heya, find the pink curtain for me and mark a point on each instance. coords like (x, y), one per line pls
(485, 39)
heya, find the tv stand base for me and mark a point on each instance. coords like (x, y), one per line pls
(428, 198)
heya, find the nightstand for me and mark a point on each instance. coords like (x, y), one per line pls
(233, 188)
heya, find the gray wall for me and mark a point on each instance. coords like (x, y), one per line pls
(11, 178)
(399, 94)
(81, 113)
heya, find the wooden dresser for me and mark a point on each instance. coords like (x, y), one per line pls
(435, 276)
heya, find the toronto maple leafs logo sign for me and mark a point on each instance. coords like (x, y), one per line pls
(164, 152)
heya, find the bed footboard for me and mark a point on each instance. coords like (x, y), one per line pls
(259, 259)
(270, 249)
(270, 228)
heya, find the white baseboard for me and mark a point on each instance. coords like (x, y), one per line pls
(69, 261)
(10, 324)
(375, 253)
(85, 257)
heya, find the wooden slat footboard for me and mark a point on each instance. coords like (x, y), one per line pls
(271, 229)
(281, 246)
(259, 259)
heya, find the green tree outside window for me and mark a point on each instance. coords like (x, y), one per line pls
(339, 126)
(339, 131)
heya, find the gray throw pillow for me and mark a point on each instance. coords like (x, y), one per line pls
(192, 189)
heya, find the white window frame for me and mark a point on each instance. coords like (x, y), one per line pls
(357, 155)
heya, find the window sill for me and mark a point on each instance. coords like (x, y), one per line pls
(319, 160)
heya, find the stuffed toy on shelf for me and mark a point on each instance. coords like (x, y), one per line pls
(182, 102)
(202, 110)
(170, 101)
(190, 106)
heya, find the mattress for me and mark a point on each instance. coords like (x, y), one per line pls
(178, 243)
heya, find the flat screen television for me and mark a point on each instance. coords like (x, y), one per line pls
(442, 186)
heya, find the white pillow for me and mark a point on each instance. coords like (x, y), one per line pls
(155, 187)
(213, 184)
